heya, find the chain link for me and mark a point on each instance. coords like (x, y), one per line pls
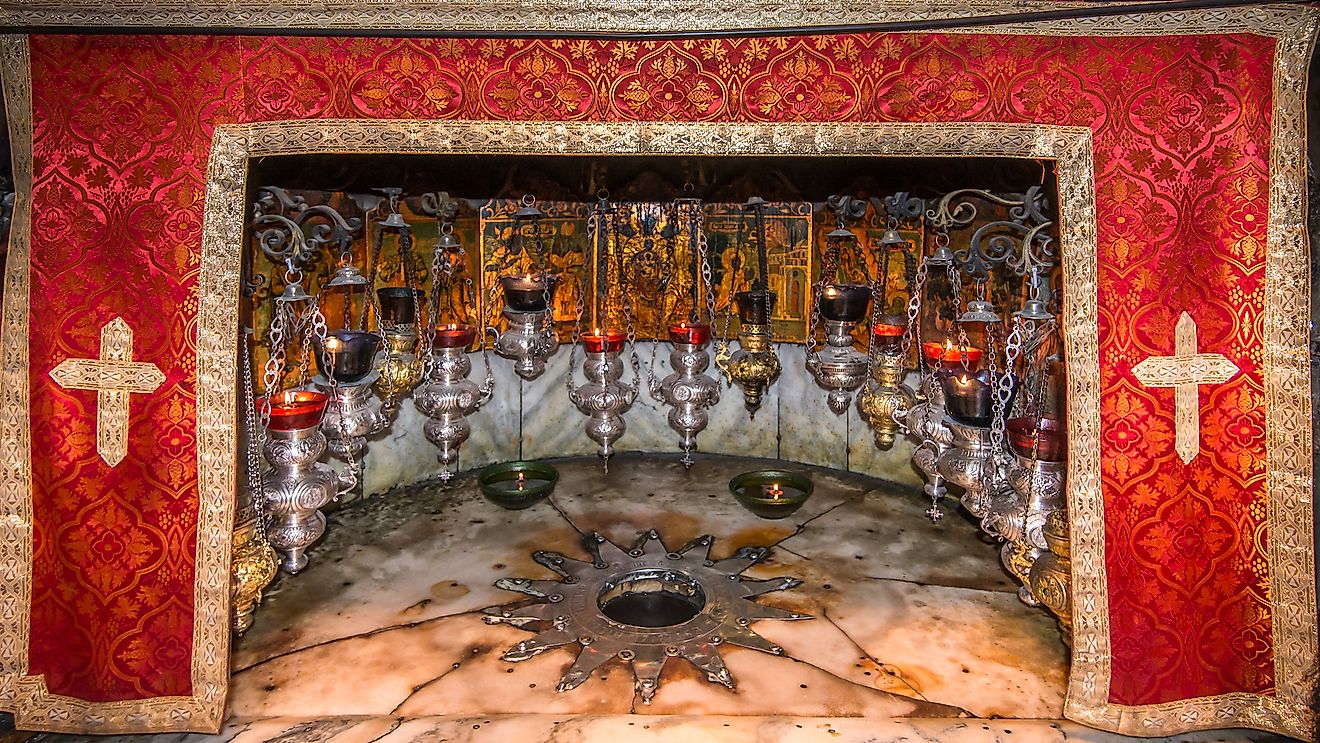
(1004, 384)
(625, 298)
(828, 268)
(255, 470)
(877, 302)
(273, 374)
(703, 248)
(996, 404)
(373, 300)
(913, 331)
(577, 334)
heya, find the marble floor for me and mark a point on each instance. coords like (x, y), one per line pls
(917, 633)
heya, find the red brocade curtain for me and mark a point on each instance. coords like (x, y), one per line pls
(1202, 595)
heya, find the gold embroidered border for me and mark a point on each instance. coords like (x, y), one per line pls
(620, 16)
(34, 707)
(1286, 376)
(15, 434)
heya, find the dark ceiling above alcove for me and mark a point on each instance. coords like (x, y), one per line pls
(649, 178)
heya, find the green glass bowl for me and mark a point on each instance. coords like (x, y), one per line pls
(500, 484)
(754, 491)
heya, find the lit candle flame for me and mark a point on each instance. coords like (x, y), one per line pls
(333, 344)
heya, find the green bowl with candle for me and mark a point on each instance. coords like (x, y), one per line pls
(771, 494)
(517, 485)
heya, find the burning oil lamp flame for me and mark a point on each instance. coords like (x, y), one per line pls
(522, 481)
(292, 410)
(773, 490)
(603, 341)
(951, 354)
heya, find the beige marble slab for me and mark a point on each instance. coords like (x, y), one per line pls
(404, 557)
(553, 728)
(643, 492)
(393, 590)
(886, 534)
(981, 650)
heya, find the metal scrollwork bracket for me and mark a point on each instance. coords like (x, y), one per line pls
(294, 234)
(1022, 242)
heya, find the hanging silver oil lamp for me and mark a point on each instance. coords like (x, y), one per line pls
(885, 398)
(840, 368)
(603, 398)
(688, 391)
(345, 359)
(754, 366)
(398, 310)
(530, 338)
(447, 396)
(529, 299)
(881, 400)
(297, 486)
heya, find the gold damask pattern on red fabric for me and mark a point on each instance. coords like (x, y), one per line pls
(1182, 140)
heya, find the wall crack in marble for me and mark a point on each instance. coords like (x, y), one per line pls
(394, 726)
(886, 667)
(909, 581)
(569, 521)
(802, 527)
(357, 636)
(426, 684)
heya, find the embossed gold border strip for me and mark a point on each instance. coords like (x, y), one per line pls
(620, 16)
(1287, 379)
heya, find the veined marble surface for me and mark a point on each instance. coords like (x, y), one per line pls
(911, 618)
(918, 633)
(628, 728)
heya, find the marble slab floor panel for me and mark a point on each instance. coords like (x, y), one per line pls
(552, 728)
(914, 635)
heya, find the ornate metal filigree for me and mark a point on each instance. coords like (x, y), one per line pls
(447, 397)
(714, 603)
(1022, 242)
(690, 393)
(291, 232)
(604, 399)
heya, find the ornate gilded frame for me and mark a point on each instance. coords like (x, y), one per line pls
(1287, 382)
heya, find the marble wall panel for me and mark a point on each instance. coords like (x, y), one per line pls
(535, 419)
(648, 429)
(893, 464)
(551, 425)
(400, 456)
(497, 426)
(809, 432)
(735, 430)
